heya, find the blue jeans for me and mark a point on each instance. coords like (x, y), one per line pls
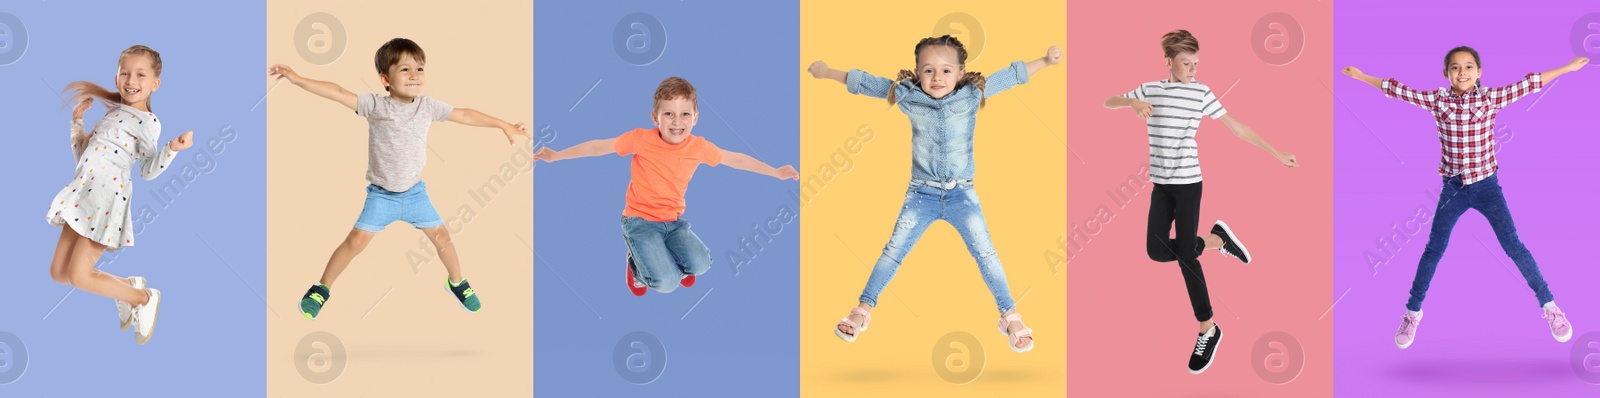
(958, 206)
(384, 207)
(1454, 200)
(664, 252)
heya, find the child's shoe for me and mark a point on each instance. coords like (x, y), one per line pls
(1408, 329)
(1205, 349)
(311, 303)
(1559, 327)
(634, 286)
(144, 317)
(464, 294)
(125, 310)
(1230, 243)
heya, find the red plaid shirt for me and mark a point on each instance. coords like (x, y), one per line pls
(1466, 123)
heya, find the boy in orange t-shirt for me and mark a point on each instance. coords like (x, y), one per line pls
(662, 251)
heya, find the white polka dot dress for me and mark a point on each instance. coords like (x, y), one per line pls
(96, 203)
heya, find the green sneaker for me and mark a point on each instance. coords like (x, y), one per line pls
(464, 294)
(311, 303)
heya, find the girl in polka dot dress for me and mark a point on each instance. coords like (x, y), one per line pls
(93, 209)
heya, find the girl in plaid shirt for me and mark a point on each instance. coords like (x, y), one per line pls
(1465, 114)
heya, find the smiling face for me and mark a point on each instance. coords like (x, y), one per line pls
(676, 118)
(136, 80)
(404, 79)
(1183, 66)
(939, 69)
(1463, 71)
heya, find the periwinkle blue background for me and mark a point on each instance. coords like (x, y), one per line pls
(742, 338)
(206, 251)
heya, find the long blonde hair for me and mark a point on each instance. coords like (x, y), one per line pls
(973, 78)
(79, 90)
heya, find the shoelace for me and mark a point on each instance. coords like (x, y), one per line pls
(318, 297)
(467, 293)
(134, 318)
(1408, 325)
(1557, 318)
(1200, 345)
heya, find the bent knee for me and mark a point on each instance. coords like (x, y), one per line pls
(439, 235)
(60, 276)
(357, 241)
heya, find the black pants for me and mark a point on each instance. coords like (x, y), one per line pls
(1179, 205)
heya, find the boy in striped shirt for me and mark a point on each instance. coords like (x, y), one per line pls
(1172, 109)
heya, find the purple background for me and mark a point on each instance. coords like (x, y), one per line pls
(1482, 334)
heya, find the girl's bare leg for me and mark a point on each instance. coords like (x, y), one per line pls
(80, 269)
(58, 263)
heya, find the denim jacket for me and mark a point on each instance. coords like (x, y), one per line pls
(941, 128)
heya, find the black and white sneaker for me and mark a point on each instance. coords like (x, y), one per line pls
(1205, 348)
(1231, 245)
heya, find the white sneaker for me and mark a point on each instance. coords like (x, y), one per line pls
(124, 310)
(144, 317)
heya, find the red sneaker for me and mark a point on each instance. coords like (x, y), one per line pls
(634, 286)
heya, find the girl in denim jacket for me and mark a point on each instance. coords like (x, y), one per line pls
(942, 99)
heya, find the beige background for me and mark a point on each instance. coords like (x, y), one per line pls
(402, 332)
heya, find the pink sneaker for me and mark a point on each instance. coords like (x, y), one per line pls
(1408, 330)
(1559, 327)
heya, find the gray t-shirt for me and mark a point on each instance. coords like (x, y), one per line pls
(397, 137)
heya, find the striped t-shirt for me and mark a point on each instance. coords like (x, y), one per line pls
(1174, 154)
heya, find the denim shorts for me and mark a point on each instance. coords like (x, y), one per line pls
(384, 207)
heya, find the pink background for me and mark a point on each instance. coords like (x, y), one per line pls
(1129, 321)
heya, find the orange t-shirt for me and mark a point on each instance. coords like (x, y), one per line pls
(661, 172)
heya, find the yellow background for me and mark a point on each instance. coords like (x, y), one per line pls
(413, 340)
(1021, 180)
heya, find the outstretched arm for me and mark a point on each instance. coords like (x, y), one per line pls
(320, 88)
(1577, 63)
(1393, 88)
(821, 70)
(863, 83)
(1018, 72)
(472, 117)
(586, 149)
(1245, 133)
(1369, 79)
(1051, 57)
(745, 162)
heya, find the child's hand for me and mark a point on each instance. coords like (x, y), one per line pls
(1352, 72)
(1288, 159)
(818, 69)
(182, 142)
(515, 130)
(787, 173)
(1578, 63)
(1052, 56)
(1142, 109)
(77, 110)
(546, 154)
(281, 71)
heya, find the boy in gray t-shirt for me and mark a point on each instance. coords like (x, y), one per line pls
(397, 138)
